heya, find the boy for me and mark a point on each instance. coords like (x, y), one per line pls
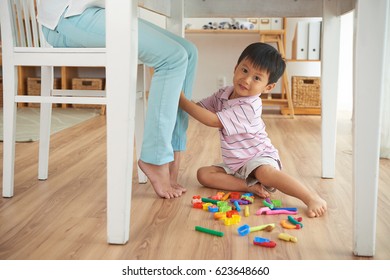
(249, 158)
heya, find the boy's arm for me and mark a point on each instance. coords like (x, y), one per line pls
(199, 113)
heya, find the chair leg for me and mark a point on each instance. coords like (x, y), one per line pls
(45, 123)
(140, 111)
(9, 128)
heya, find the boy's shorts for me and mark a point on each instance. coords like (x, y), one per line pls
(246, 171)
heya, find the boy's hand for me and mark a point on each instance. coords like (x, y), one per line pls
(182, 100)
(198, 112)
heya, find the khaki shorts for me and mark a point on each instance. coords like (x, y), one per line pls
(246, 171)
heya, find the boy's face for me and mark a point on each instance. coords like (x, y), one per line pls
(249, 81)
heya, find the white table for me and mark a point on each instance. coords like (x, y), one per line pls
(371, 19)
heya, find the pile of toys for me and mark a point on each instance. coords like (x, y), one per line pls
(227, 207)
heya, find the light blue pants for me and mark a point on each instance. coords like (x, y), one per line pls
(174, 60)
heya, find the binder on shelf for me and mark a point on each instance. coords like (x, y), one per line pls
(276, 23)
(299, 50)
(314, 41)
(264, 24)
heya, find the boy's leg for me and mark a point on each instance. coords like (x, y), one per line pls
(216, 177)
(283, 182)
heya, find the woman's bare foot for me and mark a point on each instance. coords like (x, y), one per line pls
(174, 173)
(160, 179)
(316, 207)
(258, 190)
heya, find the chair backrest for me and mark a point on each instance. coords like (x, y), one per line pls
(19, 17)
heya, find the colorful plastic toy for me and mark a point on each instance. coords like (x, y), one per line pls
(248, 197)
(266, 227)
(235, 195)
(268, 211)
(246, 211)
(238, 208)
(225, 208)
(287, 225)
(276, 202)
(268, 204)
(263, 242)
(198, 205)
(245, 229)
(219, 215)
(230, 213)
(209, 231)
(294, 221)
(226, 197)
(240, 201)
(287, 237)
(213, 208)
(218, 196)
(206, 199)
(206, 206)
(286, 208)
(196, 199)
(234, 220)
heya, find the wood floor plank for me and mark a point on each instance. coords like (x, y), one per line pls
(64, 217)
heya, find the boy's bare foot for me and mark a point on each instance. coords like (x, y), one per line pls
(174, 173)
(316, 207)
(259, 190)
(160, 179)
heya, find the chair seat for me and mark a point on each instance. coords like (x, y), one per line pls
(59, 56)
(58, 50)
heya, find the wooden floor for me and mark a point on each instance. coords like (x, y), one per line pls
(65, 216)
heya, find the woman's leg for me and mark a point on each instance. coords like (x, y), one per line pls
(179, 134)
(169, 60)
(82, 31)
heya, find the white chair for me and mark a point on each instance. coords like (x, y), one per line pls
(23, 45)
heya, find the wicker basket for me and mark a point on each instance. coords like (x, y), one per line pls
(306, 92)
(34, 88)
(88, 84)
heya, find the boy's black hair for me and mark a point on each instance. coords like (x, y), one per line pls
(265, 57)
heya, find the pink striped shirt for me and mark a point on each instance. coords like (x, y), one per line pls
(243, 135)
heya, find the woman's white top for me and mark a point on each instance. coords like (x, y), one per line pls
(50, 11)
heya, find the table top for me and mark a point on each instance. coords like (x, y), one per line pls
(247, 8)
